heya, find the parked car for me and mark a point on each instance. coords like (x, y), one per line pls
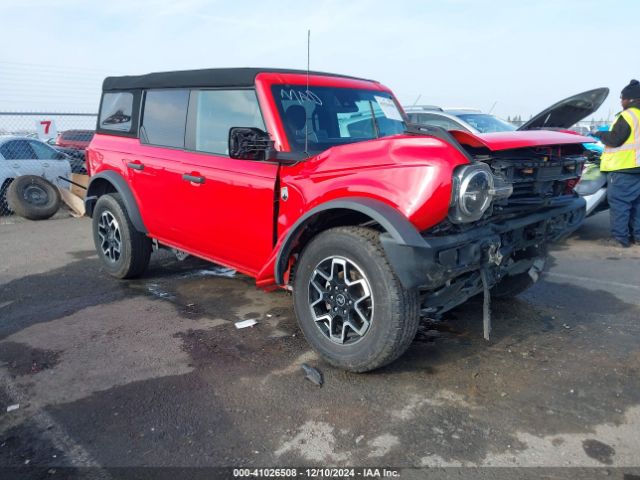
(74, 139)
(73, 144)
(564, 114)
(21, 156)
(76, 159)
(316, 184)
(466, 119)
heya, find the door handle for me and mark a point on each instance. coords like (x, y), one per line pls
(135, 165)
(46, 164)
(193, 178)
(16, 165)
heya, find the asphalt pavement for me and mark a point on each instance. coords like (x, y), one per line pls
(153, 373)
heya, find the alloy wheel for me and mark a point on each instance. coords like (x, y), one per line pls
(110, 237)
(340, 300)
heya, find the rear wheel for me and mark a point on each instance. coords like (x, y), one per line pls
(350, 305)
(124, 251)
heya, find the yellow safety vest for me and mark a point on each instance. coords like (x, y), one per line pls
(626, 155)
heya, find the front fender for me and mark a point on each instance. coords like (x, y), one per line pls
(397, 226)
(96, 188)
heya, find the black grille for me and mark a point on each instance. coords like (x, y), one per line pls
(539, 177)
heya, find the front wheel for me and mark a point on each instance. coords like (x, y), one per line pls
(350, 305)
(123, 250)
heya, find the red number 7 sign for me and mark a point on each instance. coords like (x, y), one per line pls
(46, 124)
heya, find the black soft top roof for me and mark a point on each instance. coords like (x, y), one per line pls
(209, 77)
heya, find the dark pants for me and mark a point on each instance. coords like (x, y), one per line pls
(623, 194)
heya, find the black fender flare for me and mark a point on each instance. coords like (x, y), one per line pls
(121, 186)
(399, 229)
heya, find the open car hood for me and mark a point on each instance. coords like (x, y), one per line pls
(569, 111)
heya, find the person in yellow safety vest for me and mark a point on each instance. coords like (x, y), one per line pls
(621, 161)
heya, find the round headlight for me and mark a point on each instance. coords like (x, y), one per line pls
(475, 193)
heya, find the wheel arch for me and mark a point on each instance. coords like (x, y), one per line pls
(112, 182)
(348, 211)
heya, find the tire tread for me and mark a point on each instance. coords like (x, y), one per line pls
(140, 247)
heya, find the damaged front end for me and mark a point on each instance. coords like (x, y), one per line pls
(506, 207)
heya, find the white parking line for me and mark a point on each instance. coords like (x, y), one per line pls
(577, 278)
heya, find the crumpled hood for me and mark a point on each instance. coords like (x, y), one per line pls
(510, 140)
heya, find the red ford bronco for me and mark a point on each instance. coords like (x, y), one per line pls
(316, 183)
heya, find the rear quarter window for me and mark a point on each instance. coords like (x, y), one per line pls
(117, 112)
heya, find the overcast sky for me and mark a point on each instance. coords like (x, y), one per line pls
(523, 55)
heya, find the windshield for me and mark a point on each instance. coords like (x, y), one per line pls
(330, 116)
(485, 123)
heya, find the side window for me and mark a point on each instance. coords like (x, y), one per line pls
(45, 152)
(164, 117)
(17, 150)
(116, 111)
(219, 110)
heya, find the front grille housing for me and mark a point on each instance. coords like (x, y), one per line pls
(540, 177)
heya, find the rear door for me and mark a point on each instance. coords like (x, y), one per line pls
(229, 204)
(155, 167)
(6, 172)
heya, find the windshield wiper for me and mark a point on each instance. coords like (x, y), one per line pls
(373, 121)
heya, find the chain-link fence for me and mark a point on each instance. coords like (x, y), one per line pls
(49, 145)
(52, 145)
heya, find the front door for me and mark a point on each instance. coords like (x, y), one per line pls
(229, 204)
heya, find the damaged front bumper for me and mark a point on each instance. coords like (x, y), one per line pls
(455, 261)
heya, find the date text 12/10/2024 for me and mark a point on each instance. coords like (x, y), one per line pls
(315, 473)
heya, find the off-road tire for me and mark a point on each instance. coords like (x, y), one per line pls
(135, 248)
(395, 317)
(33, 197)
